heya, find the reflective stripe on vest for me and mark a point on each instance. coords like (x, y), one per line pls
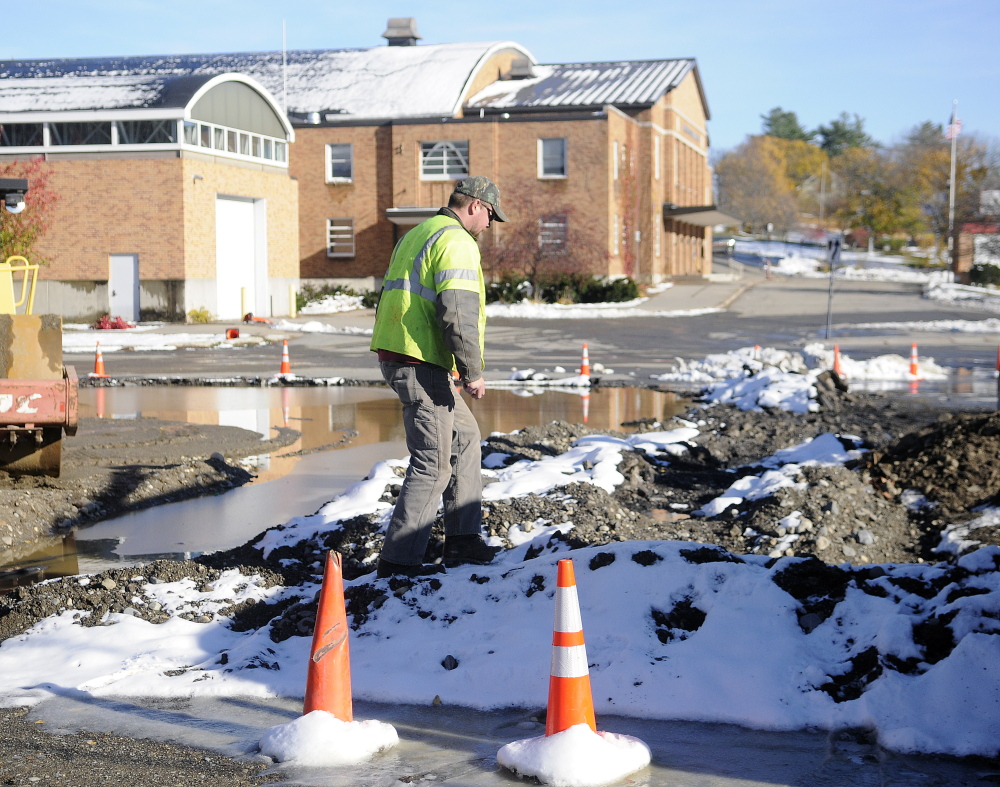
(413, 284)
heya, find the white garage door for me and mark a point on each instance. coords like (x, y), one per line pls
(234, 256)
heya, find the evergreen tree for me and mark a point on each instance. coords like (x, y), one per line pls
(844, 133)
(784, 125)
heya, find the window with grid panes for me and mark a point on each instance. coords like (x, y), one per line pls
(340, 163)
(552, 158)
(552, 230)
(445, 160)
(340, 237)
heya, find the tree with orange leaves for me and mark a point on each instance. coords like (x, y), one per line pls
(19, 232)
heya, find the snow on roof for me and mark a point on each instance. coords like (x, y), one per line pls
(398, 81)
(117, 91)
(586, 84)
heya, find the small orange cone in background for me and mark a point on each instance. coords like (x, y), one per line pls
(570, 699)
(756, 352)
(286, 366)
(99, 364)
(328, 685)
(836, 361)
(585, 363)
(914, 361)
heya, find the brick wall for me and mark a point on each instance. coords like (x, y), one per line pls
(114, 206)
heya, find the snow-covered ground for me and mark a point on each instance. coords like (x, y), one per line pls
(82, 339)
(585, 311)
(749, 658)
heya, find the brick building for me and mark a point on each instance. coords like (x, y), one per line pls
(174, 191)
(616, 153)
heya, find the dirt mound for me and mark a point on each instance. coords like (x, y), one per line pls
(953, 462)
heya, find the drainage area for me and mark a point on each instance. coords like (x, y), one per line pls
(344, 432)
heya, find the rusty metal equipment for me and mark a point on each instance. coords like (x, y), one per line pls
(38, 395)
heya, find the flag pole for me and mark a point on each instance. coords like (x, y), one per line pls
(953, 134)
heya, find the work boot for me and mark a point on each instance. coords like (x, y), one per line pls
(388, 569)
(460, 550)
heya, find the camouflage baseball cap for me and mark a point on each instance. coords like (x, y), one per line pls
(484, 190)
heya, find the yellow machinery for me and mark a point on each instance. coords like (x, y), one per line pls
(38, 395)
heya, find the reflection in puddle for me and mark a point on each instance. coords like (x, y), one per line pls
(299, 479)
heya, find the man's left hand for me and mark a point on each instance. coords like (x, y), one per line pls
(477, 388)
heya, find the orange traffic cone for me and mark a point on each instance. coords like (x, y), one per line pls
(756, 352)
(585, 363)
(586, 407)
(100, 402)
(836, 361)
(328, 685)
(570, 700)
(99, 364)
(286, 366)
(914, 359)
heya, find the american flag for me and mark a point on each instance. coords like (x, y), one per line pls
(954, 127)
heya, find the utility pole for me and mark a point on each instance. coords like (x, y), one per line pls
(954, 127)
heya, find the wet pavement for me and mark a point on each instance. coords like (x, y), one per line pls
(458, 746)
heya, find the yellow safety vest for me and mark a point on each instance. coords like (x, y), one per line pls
(434, 256)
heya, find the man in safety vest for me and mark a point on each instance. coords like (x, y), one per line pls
(431, 319)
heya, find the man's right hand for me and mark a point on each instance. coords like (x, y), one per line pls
(477, 388)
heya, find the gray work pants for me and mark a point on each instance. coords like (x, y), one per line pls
(445, 460)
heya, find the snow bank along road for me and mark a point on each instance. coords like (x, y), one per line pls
(766, 637)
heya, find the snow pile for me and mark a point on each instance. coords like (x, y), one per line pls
(331, 304)
(577, 757)
(758, 377)
(321, 739)
(533, 379)
(989, 325)
(784, 467)
(315, 326)
(960, 538)
(795, 265)
(964, 295)
(585, 311)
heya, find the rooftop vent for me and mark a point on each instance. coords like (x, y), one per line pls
(401, 31)
(520, 68)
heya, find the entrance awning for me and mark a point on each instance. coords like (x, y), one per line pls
(409, 217)
(701, 215)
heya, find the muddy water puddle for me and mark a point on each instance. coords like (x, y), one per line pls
(344, 432)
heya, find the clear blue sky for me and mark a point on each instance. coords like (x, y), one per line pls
(894, 62)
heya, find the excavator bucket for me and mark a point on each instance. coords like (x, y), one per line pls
(38, 396)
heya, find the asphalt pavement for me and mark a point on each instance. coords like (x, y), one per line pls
(785, 313)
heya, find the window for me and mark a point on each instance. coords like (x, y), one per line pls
(279, 151)
(552, 233)
(256, 147)
(220, 139)
(340, 237)
(206, 136)
(444, 160)
(190, 133)
(244, 144)
(267, 148)
(231, 141)
(552, 158)
(146, 132)
(80, 133)
(20, 134)
(340, 163)
(614, 162)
